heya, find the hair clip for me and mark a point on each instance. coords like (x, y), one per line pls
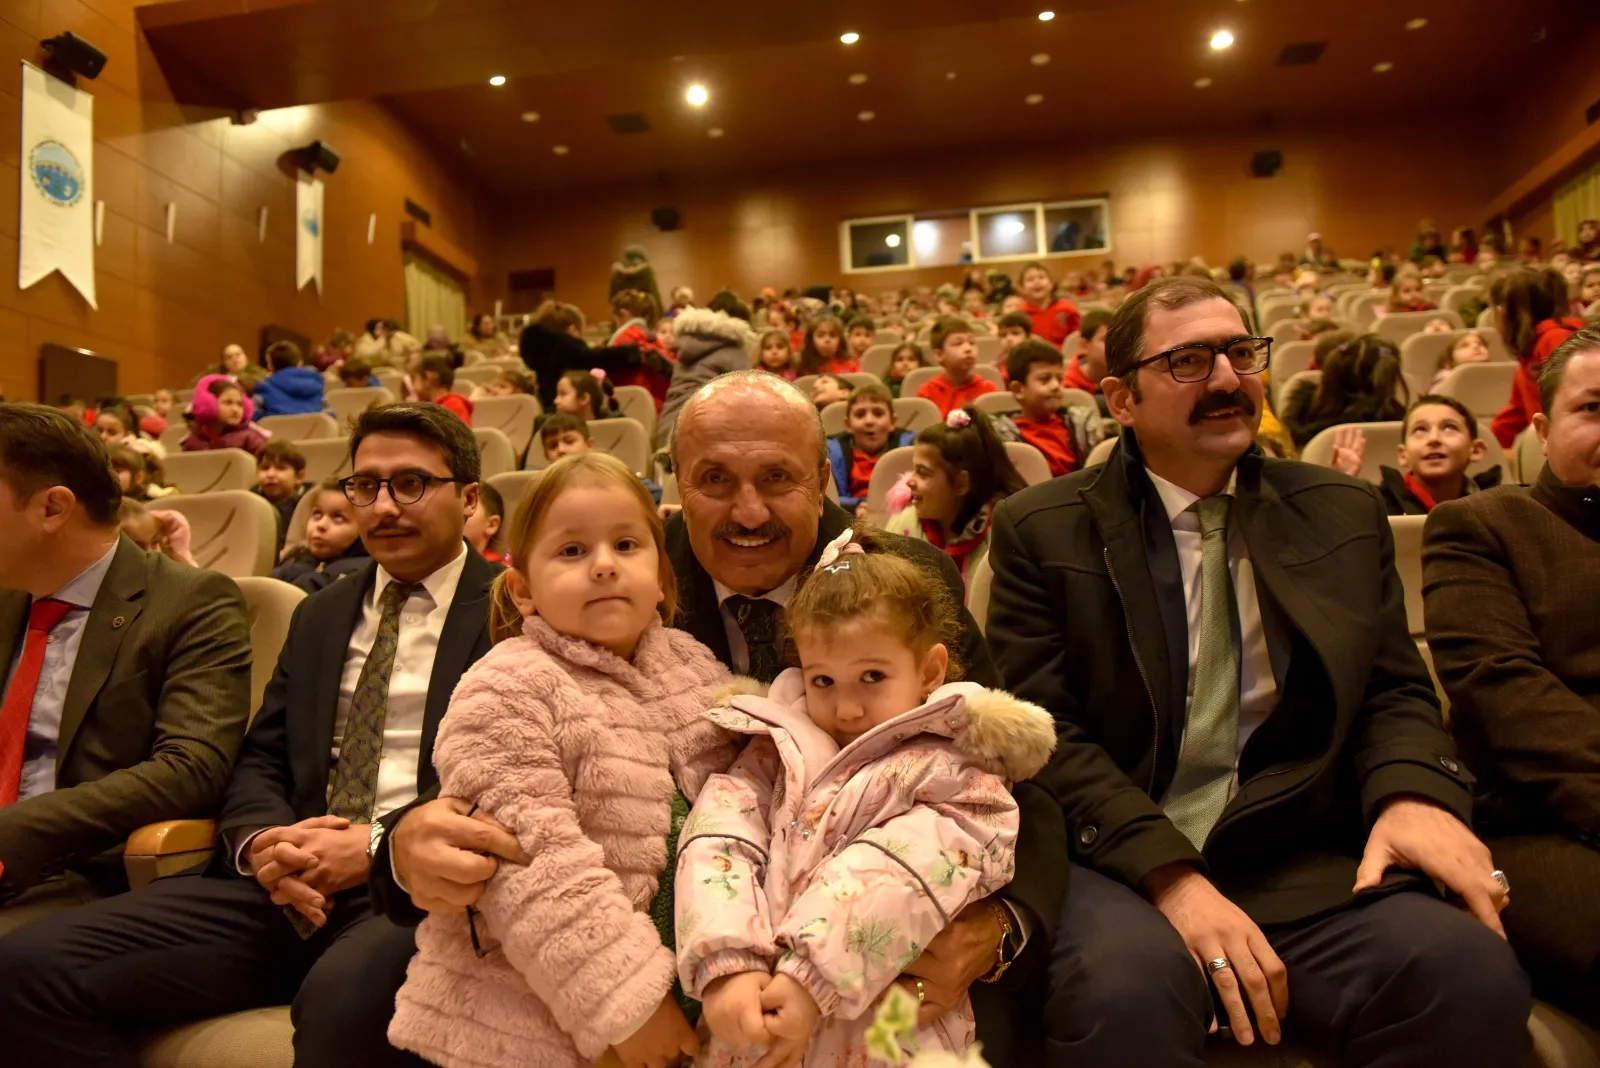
(958, 419)
(599, 373)
(838, 547)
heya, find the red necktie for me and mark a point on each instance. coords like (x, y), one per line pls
(42, 618)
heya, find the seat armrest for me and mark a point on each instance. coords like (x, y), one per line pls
(171, 836)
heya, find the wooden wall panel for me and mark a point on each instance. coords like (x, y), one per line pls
(167, 309)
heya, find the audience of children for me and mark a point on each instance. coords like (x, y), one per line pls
(512, 382)
(434, 383)
(860, 335)
(956, 353)
(154, 423)
(332, 547)
(906, 357)
(1053, 317)
(280, 478)
(776, 355)
(1088, 367)
(1407, 296)
(222, 417)
(1587, 303)
(119, 427)
(583, 394)
(155, 531)
(869, 433)
(1530, 311)
(1437, 445)
(356, 373)
(825, 351)
(1015, 328)
(959, 473)
(1360, 383)
(710, 343)
(140, 474)
(1035, 373)
(829, 389)
(291, 389)
(778, 962)
(562, 435)
(1468, 348)
(340, 348)
(585, 705)
(483, 526)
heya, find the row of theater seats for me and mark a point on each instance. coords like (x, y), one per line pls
(1483, 387)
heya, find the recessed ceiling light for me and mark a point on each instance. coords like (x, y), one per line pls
(560, 150)
(1033, 98)
(849, 38)
(949, 75)
(1039, 59)
(1221, 39)
(697, 95)
(530, 116)
(866, 116)
(1382, 68)
(893, 240)
(1416, 24)
(1202, 83)
(498, 80)
(858, 79)
(1046, 16)
(715, 131)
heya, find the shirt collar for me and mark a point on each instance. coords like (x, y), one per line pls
(779, 595)
(441, 585)
(82, 589)
(1177, 500)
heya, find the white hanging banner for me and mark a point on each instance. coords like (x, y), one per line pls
(57, 223)
(308, 231)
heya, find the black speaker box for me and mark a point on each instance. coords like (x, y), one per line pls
(1266, 164)
(76, 54)
(319, 155)
(666, 218)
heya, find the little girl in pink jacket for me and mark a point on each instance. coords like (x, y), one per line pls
(871, 806)
(570, 732)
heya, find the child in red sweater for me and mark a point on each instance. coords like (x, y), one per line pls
(1053, 318)
(1034, 370)
(824, 351)
(435, 383)
(956, 352)
(1088, 367)
(1528, 309)
(776, 356)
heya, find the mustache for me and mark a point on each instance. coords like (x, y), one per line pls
(389, 526)
(1216, 402)
(770, 529)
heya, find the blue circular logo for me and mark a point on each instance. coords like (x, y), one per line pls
(308, 219)
(56, 172)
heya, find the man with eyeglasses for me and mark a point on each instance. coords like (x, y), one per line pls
(1267, 822)
(344, 736)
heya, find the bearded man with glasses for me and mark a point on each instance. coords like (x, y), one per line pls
(1267, 823)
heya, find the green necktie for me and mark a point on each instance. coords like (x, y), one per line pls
(1200, 787)
(355, 781)
(758, 622)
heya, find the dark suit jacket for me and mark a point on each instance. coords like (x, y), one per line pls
(283, 770)
(159, 696)
(1511, 581)
(1079, 625)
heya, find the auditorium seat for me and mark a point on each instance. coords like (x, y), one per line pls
(512, 487)
(495, 454)
(625, 439)
(208, 472)
(886, 337)
(171, 438)
(833, 417)
(1483, 387)
(348, 404)
(1100, 453)
(255, 1038)
(1288, 359)
(391, 379)
(915, 413)
(989, 371)
(1383, 445)
(1527, 457)
(1420, 353)
(300, 427)
(231, 531)
(325, 458)
(1079, 398)
(917, 379)
(1002, 403)
(978, 584)
(988, 347)
(638, 404)
(875, 361)
(890, 467)
(856, 379)
(1029, 462)
(1397, 326)
(1407, 531)
(513, 416)
(1272, 307)
(479, 374)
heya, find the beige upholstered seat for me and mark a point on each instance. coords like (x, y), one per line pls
(833, 417)
(255, 1038)
(300, 427)
(978, 584)
(1100, 453)
(513, 486)
(638, 404)
(495, 454)
(1397, 326)
(1002, 403)
(1528, 456)
(1483, 387)
(875, 361)
(1079, 398)
(1407, 531)
(391, 379)
(988, 347)
(325, 458)
(171, 438)
(854, 379)
(1029, 462)
(1289, 359)
(348, 404)
(513, 416)
(891, 465)
(231, 531)
(625, 439)
(270, 603)
(917, 379)
(991, 372)
(479, 374)
(209, 472)
(915, 413)
(1420, 353)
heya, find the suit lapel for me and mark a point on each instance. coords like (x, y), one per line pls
(698, 612)
(464, 639)
(116, 608)
(339, 616)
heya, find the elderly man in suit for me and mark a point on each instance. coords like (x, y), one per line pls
(752, 462)
(1511, 580)
(345, 733)
(1259, 792)
(128, 676)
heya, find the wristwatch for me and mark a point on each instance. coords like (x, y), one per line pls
(375, 840)
(1005, 954)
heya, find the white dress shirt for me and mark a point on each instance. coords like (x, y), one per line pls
(738, 651)
(41, 748)
(1258, 687)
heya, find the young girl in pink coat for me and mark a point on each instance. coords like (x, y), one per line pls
(871, 805)
(570, 732)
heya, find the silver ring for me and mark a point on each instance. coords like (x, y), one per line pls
(1500, 877)
(1216, 965)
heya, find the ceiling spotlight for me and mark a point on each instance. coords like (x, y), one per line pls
(561, 150)
(1416, 24)
(498, 80)
(866, 116)
(1039, 59)
(697, 95)
(1202, 83)
(1015, 226)
(530, 116)
(1220, 40)
(893, 241)
(715, 131)
(1033, 98)
(849, 38)
(858, 79)
(1382, 68)
(1046, 16)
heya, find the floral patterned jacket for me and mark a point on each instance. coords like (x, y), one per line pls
(837, 867)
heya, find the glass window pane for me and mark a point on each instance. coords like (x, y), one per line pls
(879, 244)
(1008, 232)
(942, 240)
(1076, 227)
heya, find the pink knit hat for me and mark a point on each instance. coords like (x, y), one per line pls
(204, 404)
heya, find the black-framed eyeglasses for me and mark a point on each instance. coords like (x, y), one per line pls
(408, 487)
(1195, 361)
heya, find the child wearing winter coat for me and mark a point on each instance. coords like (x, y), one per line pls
(576, 731)
(332, 549)
(221, 417)
(291, 388)
(710, 343)
(871, 804)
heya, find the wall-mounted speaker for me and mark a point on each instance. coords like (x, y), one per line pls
(318, 155)
(1266, 164)
(75, 54)
(666, 218)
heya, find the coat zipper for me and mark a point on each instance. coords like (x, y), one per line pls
(1155, 717)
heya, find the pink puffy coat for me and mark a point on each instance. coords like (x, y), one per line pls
(836, 867)
(574, 750)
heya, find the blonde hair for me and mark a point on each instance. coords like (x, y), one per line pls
(582, 469)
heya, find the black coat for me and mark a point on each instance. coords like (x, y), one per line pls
(1087, 618)
(1399, 499)
(551, 353)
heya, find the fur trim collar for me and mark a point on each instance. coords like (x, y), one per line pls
(705, 323)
